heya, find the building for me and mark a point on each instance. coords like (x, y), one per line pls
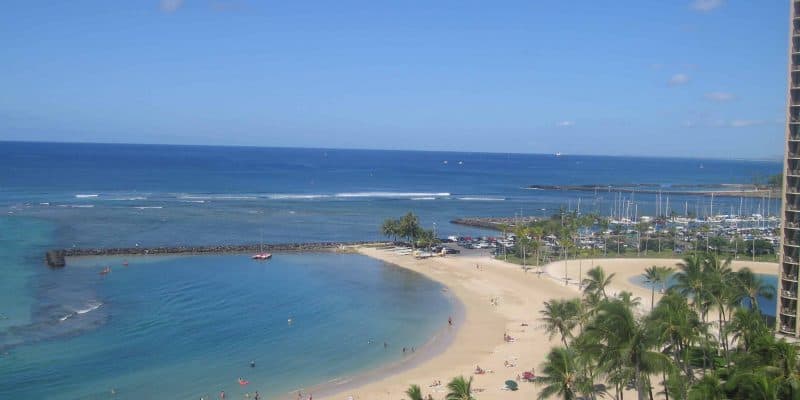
(787, 312)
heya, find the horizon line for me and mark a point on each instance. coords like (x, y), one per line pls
(759, 159)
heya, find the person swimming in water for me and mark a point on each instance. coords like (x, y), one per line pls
(252, 364)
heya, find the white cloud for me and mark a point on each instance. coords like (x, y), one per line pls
(565, 123)
(720, 96)
(170, 6)
(706, 5)
(678, 79)
(743, 123)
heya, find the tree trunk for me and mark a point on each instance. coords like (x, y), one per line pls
(652, 296)
(639, 384)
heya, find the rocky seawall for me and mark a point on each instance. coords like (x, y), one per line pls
(57, 258)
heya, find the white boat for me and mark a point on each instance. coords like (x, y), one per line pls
(261, 255)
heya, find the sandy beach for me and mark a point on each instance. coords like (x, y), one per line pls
(480, 337)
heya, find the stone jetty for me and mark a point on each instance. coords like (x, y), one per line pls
(56, 258)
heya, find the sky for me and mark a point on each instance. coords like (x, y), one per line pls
(694, 78)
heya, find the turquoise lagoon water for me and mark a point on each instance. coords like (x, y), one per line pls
(185, 327)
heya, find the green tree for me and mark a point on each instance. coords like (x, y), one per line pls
(391, 228)
(651, 277)
(628, 344)
(690, 280)
(559, 375)
(709, 387)
(459, 389)
(409, 228)
(560, 318)
(597, 281)
(414, 393)
(751, 287)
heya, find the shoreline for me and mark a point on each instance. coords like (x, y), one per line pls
(479, 341)
(433, 347)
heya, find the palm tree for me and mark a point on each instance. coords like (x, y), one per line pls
(708, 387)
(690, 279)
(651, 278)
(719, 286)
(559, 375)
(504, 228)
(628, 300)
(409, 228)
(678, 328)
(747, 326)
(752, 287)
(628, 343)
(460, 389)
(560, 318)
(414, 393)
(597, 281)
(523, 241)
(391, 228)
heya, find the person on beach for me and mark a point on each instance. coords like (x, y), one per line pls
(257, 396)
(404, 350)
(450, 321)
(222, 395)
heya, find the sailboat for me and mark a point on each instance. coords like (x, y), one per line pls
(261, 255)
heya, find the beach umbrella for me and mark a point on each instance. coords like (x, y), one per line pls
(511, 385)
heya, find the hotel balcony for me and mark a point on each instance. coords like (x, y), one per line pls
(788, 323)
(794, 130)
(789, 294)
(788, 312)
(786, 329)
(794, 172)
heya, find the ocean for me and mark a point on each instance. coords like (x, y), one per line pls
(184, 327)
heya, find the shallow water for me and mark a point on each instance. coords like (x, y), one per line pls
(184, 327)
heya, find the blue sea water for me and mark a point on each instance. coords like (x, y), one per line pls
(187, 326)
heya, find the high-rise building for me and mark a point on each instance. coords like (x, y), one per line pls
(787, 312)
